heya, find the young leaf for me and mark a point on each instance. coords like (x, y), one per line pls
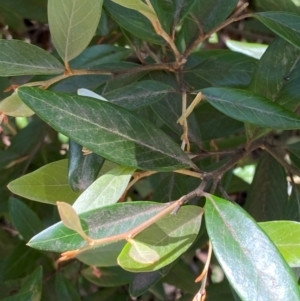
(104, 191)
(46, 185)
(73, 23)
(21, 58)
(70, 219)
(139, 143)
(286, 236)
(163, 242)
(244, 251)
(24, 219)
(249, 107)
(285, 24)
(14, 106)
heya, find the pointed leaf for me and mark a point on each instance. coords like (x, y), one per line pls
(249, 107)
(286, 236)
(285, 24)
(73, 23)
(65, 289)
(251, 262)
(139, 143)
(162, 242)
(33, 284)
(48, 184)
(104, 191)
(21, 58)
(14, 106)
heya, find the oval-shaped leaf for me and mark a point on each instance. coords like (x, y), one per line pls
(286, 236)
(21, 58)
(48, 184)
(104, 128)
(104, 191)
(14, 106)
(162, 242)
(285, 24)
(73, 23)
(249, 107)
(251, 262)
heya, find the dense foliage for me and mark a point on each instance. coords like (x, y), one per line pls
(146, 145)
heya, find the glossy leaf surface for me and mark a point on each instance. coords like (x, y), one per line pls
(73, 23)
(246, 253)
(249, 107)
(162, 242)
(20, 58)
(139, 143)
(104, 191)
(48, 184)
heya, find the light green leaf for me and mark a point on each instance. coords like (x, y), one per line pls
(105, 190)
(249, 259)
(89, 93)
(249, 107)
(286, 236)
(285, 24)
(109, 221)
(73, 23)
(14, 106)
(48, 184)
(21, 58)
(70, 219)
(162, 242)
(139, 143)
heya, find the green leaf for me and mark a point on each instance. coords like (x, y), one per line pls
(267, 196)
(249, 107)
(65, 289)
(83, 169)
(286, 236)
(21, 58)
(278, 5)
(146, 92)
(160, 244)
(285, 24)
(134, 22)
(33, 284)
(72, 24)
(249, 259)
(104, 191)
(107, 277)
(24, 219)
(48, 184)
(27, 296)
(109, 221)
(139, 143)
(14, 106)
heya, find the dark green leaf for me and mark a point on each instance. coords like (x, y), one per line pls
(140, 94)
(65, 289)
(278, 5)
(134, 22)
(286, 236)
(249, 107)
(21, 58)
(83, 169)
(292, 209)
(48, 184)
(160, 244)
(285, 24)
(33, 284)
(27, 296)
(72, 25)
(107, 277)
(24, 219)
(246, 253)
(267, 196)
(139, 143)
